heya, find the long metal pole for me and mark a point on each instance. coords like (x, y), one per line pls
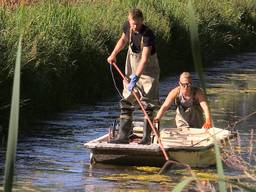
(145, 113)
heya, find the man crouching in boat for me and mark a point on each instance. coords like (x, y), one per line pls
(191, 105)
(143, 69)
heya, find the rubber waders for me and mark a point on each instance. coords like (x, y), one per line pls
(146, 139)
(124, 132)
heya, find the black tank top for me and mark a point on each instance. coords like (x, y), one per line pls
(136, 38)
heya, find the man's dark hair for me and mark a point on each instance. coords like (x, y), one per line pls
(136, 13)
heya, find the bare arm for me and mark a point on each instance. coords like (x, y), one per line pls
(119, 46)
(167, 103)
(144, 58)
(205, 108)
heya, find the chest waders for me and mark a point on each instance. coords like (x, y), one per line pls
(148, 85)
(189, 112)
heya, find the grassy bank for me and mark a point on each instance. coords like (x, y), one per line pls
(66, 43)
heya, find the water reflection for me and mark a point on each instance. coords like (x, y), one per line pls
(51, 156)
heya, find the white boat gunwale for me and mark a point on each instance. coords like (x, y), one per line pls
(192, 153)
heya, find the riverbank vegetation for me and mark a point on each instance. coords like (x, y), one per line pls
(66, 43)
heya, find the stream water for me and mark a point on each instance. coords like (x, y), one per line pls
(51, 156)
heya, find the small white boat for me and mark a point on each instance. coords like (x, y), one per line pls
(192, 146)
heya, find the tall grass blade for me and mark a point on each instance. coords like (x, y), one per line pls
(195, 45)
(13, 124)
(183, 184)
(221, 182)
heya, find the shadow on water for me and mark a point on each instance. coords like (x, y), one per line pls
(51, 156)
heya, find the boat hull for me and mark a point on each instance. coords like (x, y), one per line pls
(200, 159)
(190, 147)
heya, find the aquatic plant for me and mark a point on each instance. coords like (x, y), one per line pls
(196, 51)
(66, 43)
(13, 124)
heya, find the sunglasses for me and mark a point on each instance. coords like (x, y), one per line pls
(185, 84)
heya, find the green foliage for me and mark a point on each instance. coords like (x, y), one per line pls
(224, 25)
(66, 44)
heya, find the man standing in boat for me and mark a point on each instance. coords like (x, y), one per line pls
(192, 108)
(143, 70)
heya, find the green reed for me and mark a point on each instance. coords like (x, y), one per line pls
(197, 58)
(180, 186)
(196, 51)
(66, 43)
(13, 124)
